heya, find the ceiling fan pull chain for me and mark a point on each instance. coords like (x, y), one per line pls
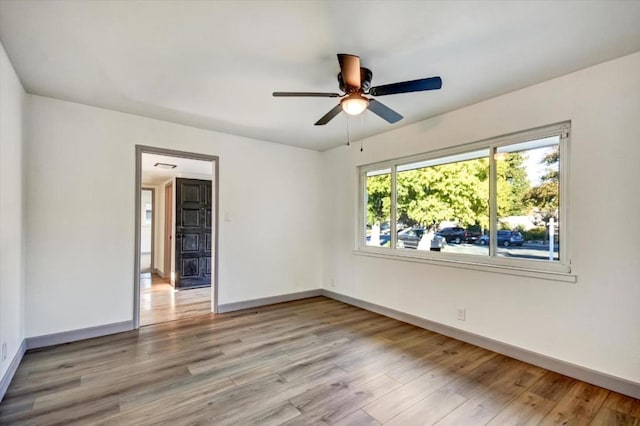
(348, 134)
(361, 131)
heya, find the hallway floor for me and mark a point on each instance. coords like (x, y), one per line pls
(160, 302)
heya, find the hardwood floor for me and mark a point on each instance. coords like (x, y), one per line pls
(307, 362)
(159, 302)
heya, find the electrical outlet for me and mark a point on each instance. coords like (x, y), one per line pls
(4, 351)
(461, 314)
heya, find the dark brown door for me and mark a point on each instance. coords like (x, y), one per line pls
(193, 233)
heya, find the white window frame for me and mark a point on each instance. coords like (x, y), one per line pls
(560, 270)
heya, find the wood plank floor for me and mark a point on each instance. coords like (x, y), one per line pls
(160, 302)
(316, 361)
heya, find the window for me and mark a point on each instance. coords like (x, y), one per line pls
(378, 211)
(527, 196)
(432, 192)
(496, 202)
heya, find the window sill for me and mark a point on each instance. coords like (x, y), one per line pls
(477, 266)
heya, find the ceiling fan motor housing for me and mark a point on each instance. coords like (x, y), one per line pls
(365, 82)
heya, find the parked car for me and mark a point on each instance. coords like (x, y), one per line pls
(410, 237)
(384, 238)
(473, 235)
(505, 238)
(457, 235)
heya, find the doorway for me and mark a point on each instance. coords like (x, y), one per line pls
(157, 298)
(192, 233)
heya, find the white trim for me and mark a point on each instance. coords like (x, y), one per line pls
(75, 335)
(254, 303)
(508, 139)
(608, 381)
(407, 256)
(393, 214)
(563, 189)
(13, 367)
(493, 203)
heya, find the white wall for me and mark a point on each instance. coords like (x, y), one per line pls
(145, 234)
(158, 241)
(595, 322)
(80, 262)
(12, 287)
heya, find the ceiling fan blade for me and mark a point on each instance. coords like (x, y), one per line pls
(305, 95)
(329, 116)
(431, 83)
(383, 111)
(350, 69)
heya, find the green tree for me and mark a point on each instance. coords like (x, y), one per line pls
(545, 197)
(455, 191)
(378, 199)
(512, 185)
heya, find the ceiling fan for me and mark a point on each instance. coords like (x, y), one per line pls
(355, 82)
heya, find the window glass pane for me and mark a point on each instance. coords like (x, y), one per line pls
(527, 191)
(442, 204)
(378, 208)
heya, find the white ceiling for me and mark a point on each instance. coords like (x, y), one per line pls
(214, 64)
(185, 167)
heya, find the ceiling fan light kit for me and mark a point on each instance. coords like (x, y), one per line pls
(355, 82)
(354, 104)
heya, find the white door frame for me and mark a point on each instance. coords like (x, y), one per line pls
(140, 149)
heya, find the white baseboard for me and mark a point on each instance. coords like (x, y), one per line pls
(75, 335)
(11, 371)
(254, 303)
(607, 381)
